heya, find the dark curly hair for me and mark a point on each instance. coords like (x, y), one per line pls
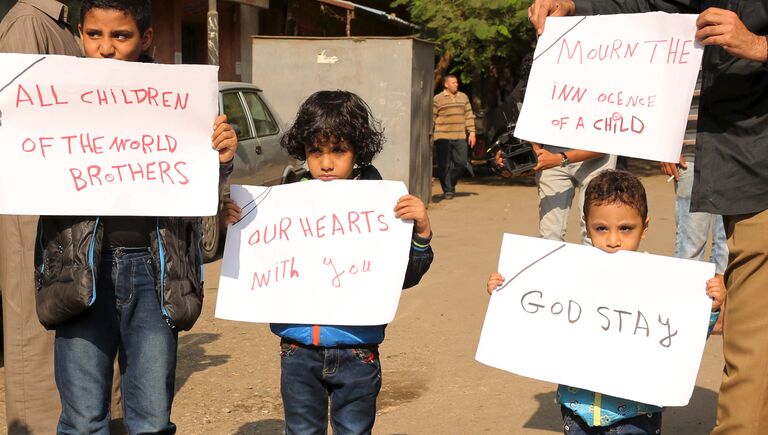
(332, 116)
(616, 187)
(140, 10)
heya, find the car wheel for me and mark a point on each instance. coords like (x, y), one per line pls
(211, 238)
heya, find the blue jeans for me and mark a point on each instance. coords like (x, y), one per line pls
(646, 424)
(350, 377)
(451, 162)
(126, 321)
(693, 228)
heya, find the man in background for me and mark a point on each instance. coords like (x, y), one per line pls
(452, 119)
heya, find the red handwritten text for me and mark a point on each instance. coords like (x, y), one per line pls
(353, 270)
(161, 171)
(282, 270)
(674, 51)
(262, 235)
(615, 124)
(46, 96)
(38, 97)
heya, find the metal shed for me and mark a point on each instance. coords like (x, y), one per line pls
(393, 75)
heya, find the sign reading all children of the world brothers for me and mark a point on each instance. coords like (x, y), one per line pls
(104, 137)
(628, 324)
(315, 253)
(616, 84)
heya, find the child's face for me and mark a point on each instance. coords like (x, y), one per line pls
(615, 227)
(330, 161)
(113, 34)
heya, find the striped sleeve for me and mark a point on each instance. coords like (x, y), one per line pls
(469, 116)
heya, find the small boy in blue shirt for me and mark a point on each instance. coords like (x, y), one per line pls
(616, 215)
(336, 134)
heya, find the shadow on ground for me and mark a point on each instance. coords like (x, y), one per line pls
(271, 426)
(192, 356)
(438, 198)
(698, 418)
(399, 388)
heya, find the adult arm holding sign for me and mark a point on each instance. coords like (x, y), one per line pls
(731, 143)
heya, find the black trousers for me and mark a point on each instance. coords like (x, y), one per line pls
(451, 162)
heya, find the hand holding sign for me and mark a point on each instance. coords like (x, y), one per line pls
(224, 139)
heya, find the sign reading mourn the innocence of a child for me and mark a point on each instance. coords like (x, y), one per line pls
(315, 253)
(627, 324)
(616, 84)
(103, 137)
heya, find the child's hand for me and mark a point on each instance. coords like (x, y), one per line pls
(409, 207)
(716, 291)
(494, 281)
(230, 212)
(224, 139)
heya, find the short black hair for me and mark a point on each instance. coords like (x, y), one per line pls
(332, 116)
(140, 10)
(450, 76)
(616, 187)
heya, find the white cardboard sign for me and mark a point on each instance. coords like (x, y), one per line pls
(104, 137)
(617, 84)
(630, 325)
(315, 252)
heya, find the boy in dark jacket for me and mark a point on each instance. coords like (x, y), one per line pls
(120, 285)
(337, 136)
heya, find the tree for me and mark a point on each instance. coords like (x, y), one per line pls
(475, 38)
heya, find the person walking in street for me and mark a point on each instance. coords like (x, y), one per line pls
(31, 400)
(452, 120)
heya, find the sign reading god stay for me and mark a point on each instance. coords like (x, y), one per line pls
(103, 137)
(617, 84)
(627, 324)
(315, 253)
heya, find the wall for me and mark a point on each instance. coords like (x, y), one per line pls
(383, 71)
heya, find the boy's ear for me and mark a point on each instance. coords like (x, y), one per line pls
(645, 227)
(80, 31)
(146, 39)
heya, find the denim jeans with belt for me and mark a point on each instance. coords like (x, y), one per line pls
(350, 377)
(125, 320)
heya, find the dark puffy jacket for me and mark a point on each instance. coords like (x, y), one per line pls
(67, 255)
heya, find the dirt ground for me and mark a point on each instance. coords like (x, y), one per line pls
(228, 372)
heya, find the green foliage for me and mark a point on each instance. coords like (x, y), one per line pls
(481, 36)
